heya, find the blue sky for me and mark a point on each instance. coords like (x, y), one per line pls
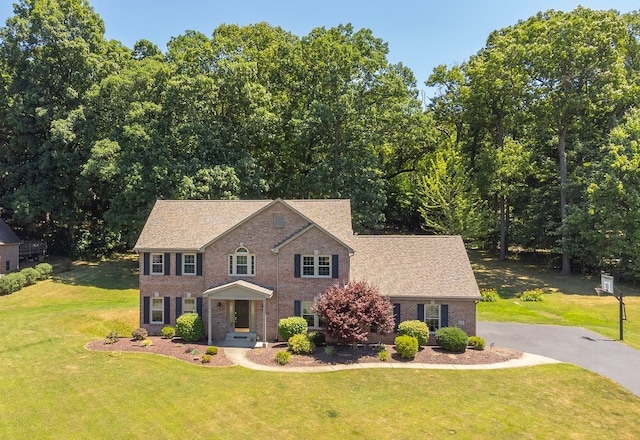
(420, 34)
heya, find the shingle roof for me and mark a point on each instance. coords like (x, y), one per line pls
(7, 236)
(414, 265)
(192, 224)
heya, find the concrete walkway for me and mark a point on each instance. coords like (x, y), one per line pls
(574, 345)
(239, 357)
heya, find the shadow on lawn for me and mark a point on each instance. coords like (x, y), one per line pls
(121, 273)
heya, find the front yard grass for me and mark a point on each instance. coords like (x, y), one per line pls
(572, 300)
(53, 388)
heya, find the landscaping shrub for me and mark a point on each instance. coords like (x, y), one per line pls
(168, 332)
(11, 283)
(476, 343)
(452, 339)
(406, 346)
(330, 350)
(415, 328)
(301, 344)
(139, 334)
(146, 343)
(30, 275)
(212, 350)
(45, 270)
(189, 327)
(531, 295)
(283, 357)
(293, 325)
(112, 338)
(318, 338)
(384, 355)
(206, 358)
(489, 295)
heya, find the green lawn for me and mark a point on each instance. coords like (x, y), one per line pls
(51, 387)
(572, 299)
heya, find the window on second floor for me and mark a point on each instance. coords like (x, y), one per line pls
(242, 263)
(157, 264)
(316, 266)
(188, 264)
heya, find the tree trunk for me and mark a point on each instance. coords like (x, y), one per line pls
(503, 227)
(566, 262)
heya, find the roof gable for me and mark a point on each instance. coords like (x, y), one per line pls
(7, 236)
(415, 266)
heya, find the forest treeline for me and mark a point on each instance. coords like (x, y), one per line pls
(532, 143)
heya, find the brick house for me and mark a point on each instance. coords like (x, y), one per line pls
(9, 249)
(243, 265)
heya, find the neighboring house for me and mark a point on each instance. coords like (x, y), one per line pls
(9, 249)
(243, 265)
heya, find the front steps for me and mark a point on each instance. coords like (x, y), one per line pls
(241, 339)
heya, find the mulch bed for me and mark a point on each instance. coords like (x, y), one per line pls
(184, 351)
(369, 354)
(175, 348)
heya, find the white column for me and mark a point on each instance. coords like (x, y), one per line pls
(264, 322)
(209, 341)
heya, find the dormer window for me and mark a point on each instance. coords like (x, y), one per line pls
(242, 263)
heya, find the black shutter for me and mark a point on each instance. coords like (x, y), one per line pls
(396, 316)
(444, 315)
(167, 263)
(178, 263)
(145, 309)
(297, 308)
(296, 265)
(145, 263)
(421, 312)
(334, 266)
(178, 306)
(199, 306)
(199, 264)
(167, 309)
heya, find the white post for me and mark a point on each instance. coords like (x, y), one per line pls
(209, 324)
(264, 322)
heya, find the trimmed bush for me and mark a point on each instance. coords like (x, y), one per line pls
(384, 355)
(330, 350)
(294, 325)
(283, 357)
(476, 343)
(415, 328)
(452, 339)
(531, 295)
(212, 350)
(45, 270)
(489, 295)
(406, 346)
(301, 344)
(30, 275)
(206, 358)
(146, 343)
(112, 338)
(318, 338)
(11, 283)
(189, 327)
(139, 334)
(168, 332)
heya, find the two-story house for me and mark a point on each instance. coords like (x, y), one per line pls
(243, 265)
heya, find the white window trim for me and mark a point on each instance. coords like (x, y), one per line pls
(184, 264)
(184, 303)
(426, 316)
(316, 266)
(307, 305)
(233, 263)
(151, 264)
(154, 309)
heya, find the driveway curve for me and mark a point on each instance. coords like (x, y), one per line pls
(573, 345)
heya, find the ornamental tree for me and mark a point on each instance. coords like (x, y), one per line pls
(353, 310)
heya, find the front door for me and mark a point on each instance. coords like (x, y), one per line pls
(241, 315)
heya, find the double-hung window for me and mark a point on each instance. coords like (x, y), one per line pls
(313, 320)
(242, 263)
(432, 316)
(316, 266)
(157, 310)
(188, 305)
(188, 264)
(157, 264)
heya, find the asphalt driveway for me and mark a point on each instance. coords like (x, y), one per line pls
(574, 345)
